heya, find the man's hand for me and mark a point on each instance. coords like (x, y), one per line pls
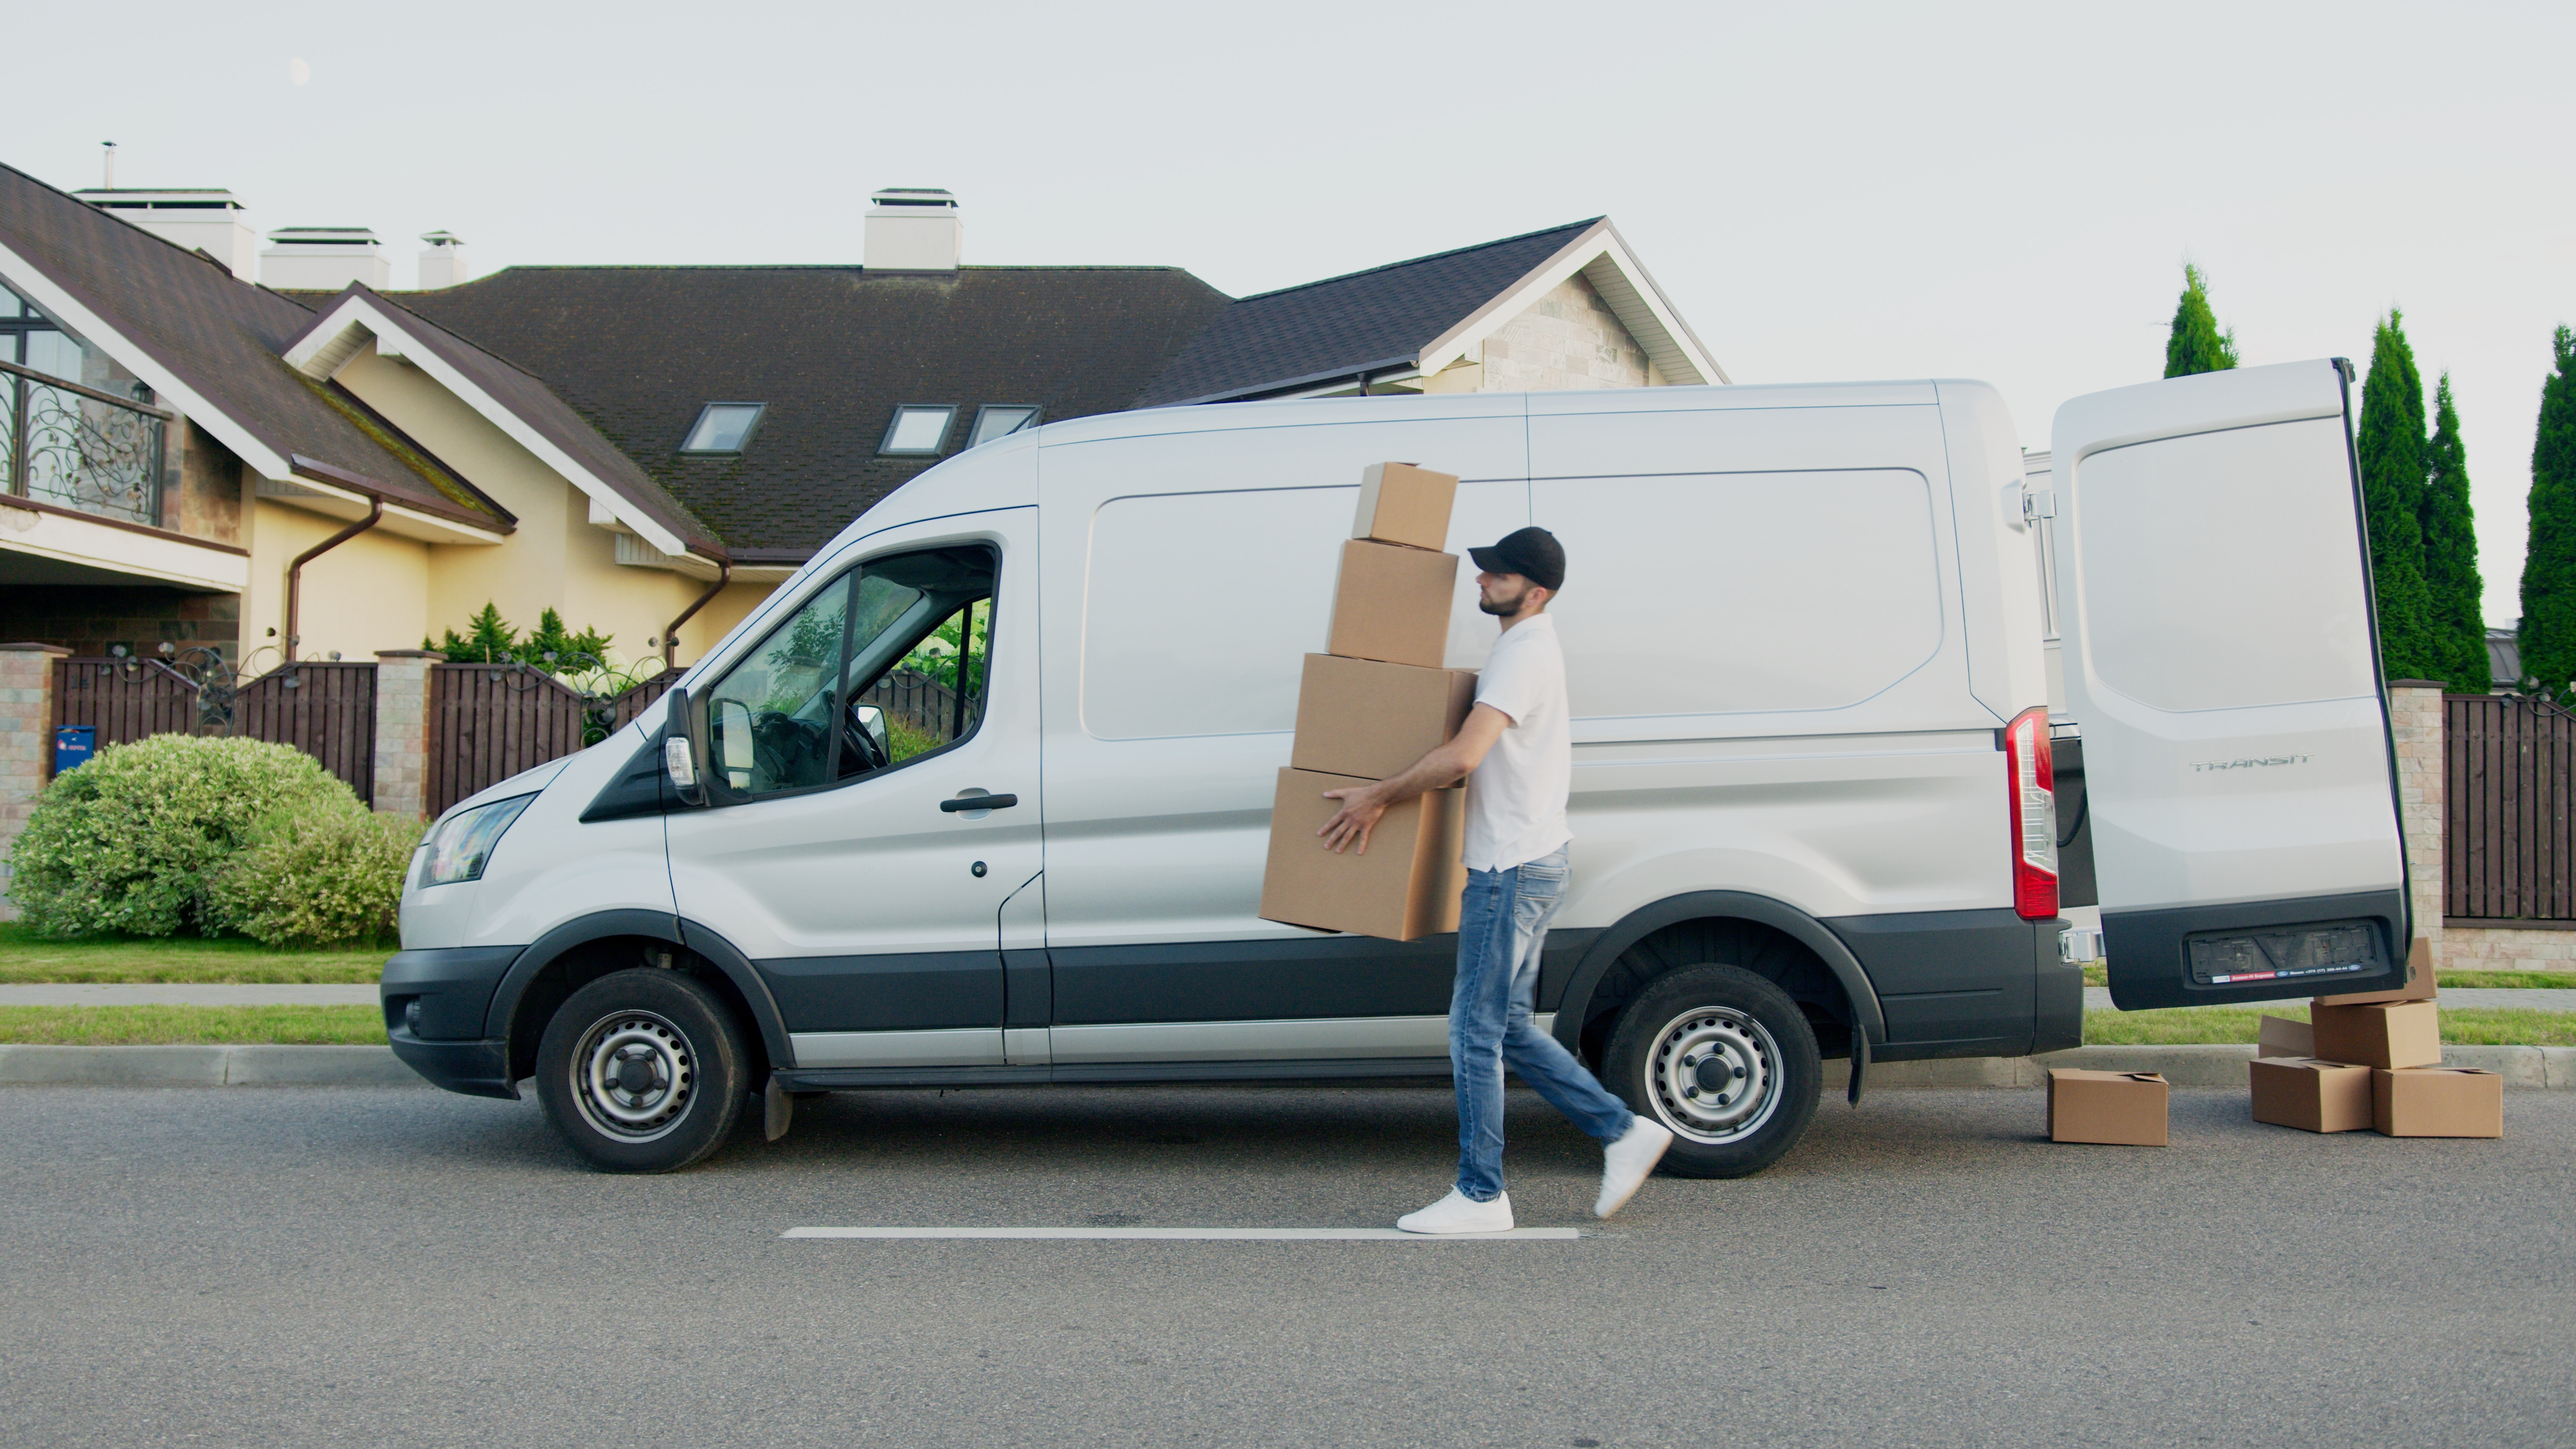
(1362, 806)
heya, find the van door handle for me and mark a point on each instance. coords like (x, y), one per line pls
(978, 802)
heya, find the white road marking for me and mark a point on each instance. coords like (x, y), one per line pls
(1229, 1235)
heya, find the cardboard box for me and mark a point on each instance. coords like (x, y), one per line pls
(2122, 1108)
(2317, 1096)
(2278, 1036)
(1360, 717)
(1404, 504)
(2437, 1102)
(2419, 981)
(2400, 1034)
(1391, 604)
(1406, 886)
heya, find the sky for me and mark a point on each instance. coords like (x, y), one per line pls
(1824, 192)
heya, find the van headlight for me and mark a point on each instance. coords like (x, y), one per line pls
(457, 849)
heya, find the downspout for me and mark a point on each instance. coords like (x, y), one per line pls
(671, 631)
(295, 570)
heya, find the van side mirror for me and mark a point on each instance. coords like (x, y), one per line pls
(683, 747)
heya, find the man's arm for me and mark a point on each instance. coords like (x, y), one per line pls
(1444, 766)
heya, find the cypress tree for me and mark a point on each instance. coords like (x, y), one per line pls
(2196, 344)
(2450, 527)
(2549, 565)
(2390, 439)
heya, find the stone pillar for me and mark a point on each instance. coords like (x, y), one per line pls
(2415, 718)
(402, 730)
(26, 743)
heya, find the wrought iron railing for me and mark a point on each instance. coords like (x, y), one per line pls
(79, 448)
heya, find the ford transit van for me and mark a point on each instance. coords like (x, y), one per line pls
(981, 795)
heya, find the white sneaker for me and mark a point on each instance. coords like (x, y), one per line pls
(1459, 1213)
(1626, 1162)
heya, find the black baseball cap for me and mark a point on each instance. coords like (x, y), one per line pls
(1533, 553)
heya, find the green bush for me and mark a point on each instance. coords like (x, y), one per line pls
(328, 879)
(130, 842)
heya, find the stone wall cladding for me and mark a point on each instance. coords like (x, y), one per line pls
(402, 731)
(208, 502)
(2507, 948)
(26, 744)
(86, 619)
(2415, 719)
(1568, 339)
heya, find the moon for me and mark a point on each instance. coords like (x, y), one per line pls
(298, 72)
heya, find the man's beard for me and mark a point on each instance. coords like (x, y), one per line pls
(1502, 608)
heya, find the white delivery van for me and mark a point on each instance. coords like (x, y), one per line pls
(1814, 805)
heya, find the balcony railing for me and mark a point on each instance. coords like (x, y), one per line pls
(79, 448)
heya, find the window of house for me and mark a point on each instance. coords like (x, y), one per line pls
(1000, 420)
(723, 427)
(885, 664)
(919, 430)
(75, 449)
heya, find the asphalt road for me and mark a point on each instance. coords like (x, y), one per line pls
(401, 1267)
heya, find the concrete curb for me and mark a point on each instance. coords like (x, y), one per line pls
(375, 1066)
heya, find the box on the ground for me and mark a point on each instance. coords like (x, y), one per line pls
(1391, 604)
(1406, 886)
(2279, 1036)
(2120, 1108)
(2419, 982)
(2304, 1092)
(2398, 1034)
(1405, 504)
(1360, 717)
(2437, 1102)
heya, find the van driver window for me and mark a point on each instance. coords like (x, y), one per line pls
(881, 666)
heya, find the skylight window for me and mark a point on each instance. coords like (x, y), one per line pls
(723, 427)
(999, 420)
(919, 430)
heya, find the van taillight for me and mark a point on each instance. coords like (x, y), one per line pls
(2034, 814)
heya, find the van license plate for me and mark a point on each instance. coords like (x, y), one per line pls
(2334, 948)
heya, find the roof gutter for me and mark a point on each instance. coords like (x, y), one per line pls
(671, 631)
(295, 570)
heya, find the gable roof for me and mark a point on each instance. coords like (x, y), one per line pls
(518, 404)
(638, 351)
(209, 344)
(1425, 313)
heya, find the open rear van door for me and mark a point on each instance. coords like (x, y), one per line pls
(2222, 662)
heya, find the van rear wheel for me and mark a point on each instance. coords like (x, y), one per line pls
(1723, 1058)
(642, 1071)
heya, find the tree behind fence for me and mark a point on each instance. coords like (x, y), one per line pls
(2509, 778)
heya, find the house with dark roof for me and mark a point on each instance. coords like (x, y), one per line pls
(291, 470)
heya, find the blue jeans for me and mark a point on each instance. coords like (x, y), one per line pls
(1501, 924)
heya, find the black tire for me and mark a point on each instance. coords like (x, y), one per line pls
(1692, 1035)
(643, 1071)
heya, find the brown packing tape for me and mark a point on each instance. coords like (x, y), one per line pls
(2316, 1096)
(1360, 717)
(2116, 1108)
(2437, 1102)
(2420, 985)
(1406, 504)
(1391, 604)
(1405, 887)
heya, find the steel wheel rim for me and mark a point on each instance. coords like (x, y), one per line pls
(634, 1076)
(1713, 1075)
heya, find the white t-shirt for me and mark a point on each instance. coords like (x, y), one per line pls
(1516, 798)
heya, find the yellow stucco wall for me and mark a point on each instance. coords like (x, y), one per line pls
(367, 594)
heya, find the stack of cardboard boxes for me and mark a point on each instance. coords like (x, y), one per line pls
(2373, 1059)
(1371, 704)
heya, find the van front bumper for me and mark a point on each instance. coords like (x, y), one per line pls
(475, 1068)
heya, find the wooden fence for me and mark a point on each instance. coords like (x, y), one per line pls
(327, 710)
(2507, 850)
(488, 722)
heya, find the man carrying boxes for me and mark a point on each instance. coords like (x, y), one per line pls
(1515, 750)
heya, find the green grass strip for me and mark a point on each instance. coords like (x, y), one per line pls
(2463, 1026)
(26, 957)
(185, 1025)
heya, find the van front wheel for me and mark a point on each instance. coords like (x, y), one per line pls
(642, 1071)
(1726, 1060)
